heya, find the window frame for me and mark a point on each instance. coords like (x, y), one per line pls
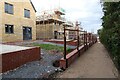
(26, 13)
(8, 29)
(9, 8)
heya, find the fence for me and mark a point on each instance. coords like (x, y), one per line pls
(87, 39)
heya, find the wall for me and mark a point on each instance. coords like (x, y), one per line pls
(0, 22)
(46, 31)
(18, 20)
(15, 59)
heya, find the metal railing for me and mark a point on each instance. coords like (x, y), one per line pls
(87, 39)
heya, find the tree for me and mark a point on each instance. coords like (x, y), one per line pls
(99, 31)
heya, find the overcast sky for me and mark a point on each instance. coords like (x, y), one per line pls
(88, 12)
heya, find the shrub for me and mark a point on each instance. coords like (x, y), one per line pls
(110, 34)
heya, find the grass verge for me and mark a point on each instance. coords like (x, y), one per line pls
(52, 47)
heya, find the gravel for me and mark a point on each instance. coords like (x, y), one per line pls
(36, 69)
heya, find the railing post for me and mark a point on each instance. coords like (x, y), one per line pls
(65, 47)
(78, 43)
(92, 40)
(84, 39)
(89, 39)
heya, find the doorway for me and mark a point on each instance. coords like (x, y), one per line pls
(55, 34)
(27, 33)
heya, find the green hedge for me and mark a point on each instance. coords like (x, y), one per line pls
(110, 34)
(111, 39)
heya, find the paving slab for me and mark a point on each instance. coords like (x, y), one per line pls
(11, 48)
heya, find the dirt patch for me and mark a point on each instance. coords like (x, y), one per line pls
(54, 52)
(72, 42)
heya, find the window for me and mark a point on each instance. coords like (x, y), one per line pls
(26, 13)
(8, 8)
(9, 29)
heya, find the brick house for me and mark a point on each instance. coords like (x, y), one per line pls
(50, 24)
(17, 21)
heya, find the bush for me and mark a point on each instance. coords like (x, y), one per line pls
(110, 34)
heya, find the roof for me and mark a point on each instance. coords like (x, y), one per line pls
(60, 11)
(33, 6)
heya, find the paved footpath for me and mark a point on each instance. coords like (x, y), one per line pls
(94, 63)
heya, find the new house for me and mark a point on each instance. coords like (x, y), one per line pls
(50, 24)
(17, 21)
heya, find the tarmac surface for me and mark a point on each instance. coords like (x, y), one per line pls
(94, 63)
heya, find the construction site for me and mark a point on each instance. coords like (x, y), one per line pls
(52, 45)
(50, 25)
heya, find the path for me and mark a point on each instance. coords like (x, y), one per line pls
(94, 63)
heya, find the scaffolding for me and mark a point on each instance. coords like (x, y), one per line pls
(53, 19)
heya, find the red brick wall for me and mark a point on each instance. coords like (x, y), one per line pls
(72, 56)
(13, 60)
(62, 63)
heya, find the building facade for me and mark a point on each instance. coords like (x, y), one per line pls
(18, 21)
(69, 25)
(50, 25)
(73, 34)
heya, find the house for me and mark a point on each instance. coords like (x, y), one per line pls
(18, 21)
(50, 24)
(69, 25)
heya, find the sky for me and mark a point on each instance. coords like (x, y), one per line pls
(88, 12)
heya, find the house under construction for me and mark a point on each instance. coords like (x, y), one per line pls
(72, 34)
(50, 24)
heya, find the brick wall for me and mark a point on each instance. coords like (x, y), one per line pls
(72, 56)
(13, 60)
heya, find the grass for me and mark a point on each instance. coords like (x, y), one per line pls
(52, 47)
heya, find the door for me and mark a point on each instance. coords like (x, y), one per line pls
(27, 33)
(55, 34)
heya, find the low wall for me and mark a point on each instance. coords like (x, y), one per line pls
(70, 57)
(62, 42)
(15, 59)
